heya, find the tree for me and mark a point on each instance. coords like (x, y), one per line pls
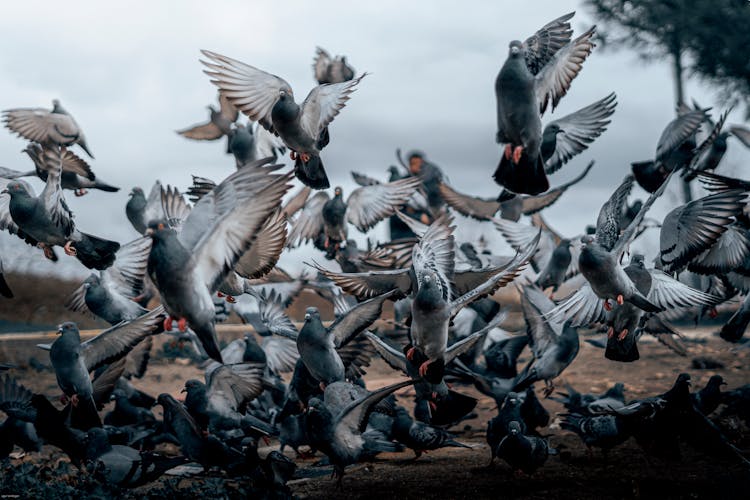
(708, 39)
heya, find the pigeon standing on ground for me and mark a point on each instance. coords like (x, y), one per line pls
(421, 437)
(524, 453)
(269, 100)
(55, 128)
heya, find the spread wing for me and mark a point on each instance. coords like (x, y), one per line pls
(320, 64)
(394, 357)
(249, 89)
(371, 283)
(296, 202)
(554, 79)
(271, 310)
(533, 204)
(668, 293)
(309, 223)
(578, 131)
(281, 354)
(582, 308)
(368, 205)
(117, 341)
(678, 131)
(126, 275)
(470, 206)
(541, 47)
(608, 221)
(266, 250)
(323, 103)
(53, 199)
(356, 319)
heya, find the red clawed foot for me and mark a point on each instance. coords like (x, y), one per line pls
(423, 368)
(80, 192)
(69, 250)
(713, 313)
(231, 299)
(610, 332)
(322, 386)
(410, 353)
(64, 399)
(47, 251)
(305, 157)
(607, 306)
(622, 335)
(517, 154)
(182, 325)
(508, 151)
(620, 299)
(433, 405)
(74, 399)
(168, 324)
(220, 295)
(292, 155)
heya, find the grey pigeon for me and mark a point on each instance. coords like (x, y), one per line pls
(278, 355)
(219, 124)
(249, 143)
(554, 345)
(76, 173)
(122, 465)
(524, 453)
(268, 99)
(557, 268)
(709, 398)
(141, 211)
(51, 128)
(46, 221)
(601, 431)
(735, 328)
(188, 267)
(329, 69)
(483, 209)
(421, 437)
(365, 207)
(73, 360)
(339, 434)
(112, 294)
(536, 71)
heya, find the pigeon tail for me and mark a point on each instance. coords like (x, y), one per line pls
(641, 302)
(5, 290)
(103, 186)
(311, 173)
(84, 416)
(207, 335)
(522, 178)
(96, 253)
(625, 350)
(452, 408)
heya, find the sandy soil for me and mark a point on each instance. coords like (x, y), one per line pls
(461, 473)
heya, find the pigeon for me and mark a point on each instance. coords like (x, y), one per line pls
(509, 410)
(278, 355)
(55, 128)
(113, 294)
(524, 453)
(122, 465)
(592, 404)
(340, 435)
(708, 399)
(536, 72)
(269, 100)
(219, 124)
(73, 360)
(483, 209)
(554, 345)
(421, 437)
(188, 267)
(365, 207)
(317, 345)
(248, 144)
(76, 173)
(126, 413)
(601, 431)
(46, 221)
(18, 428)
(553, 275)
(141, 210)
(331, 70)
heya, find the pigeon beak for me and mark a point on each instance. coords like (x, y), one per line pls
(149, 231)
(307, 316)
(4, 191)
(184, 389)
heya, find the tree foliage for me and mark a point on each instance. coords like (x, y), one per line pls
(708, 38)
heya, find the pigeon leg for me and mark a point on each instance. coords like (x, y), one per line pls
(607, 306)
(168, 324)
(423, 368)
(432, 405)
(713, 313)
(220, 295)
(622, 335)
(182, 325)
(74, 399)
(620, 299)
(69, 250)
(322, 386)
(47, 250)
(64, 399)
(231, 299)
(293, 155)
(80, 192)
(517, 154)
(610, 332)
(508, 151)
(305, 157)
(410, 353)
(548, 389)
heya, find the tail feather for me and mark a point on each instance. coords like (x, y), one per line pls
(312, 173)
(642, 303)
(625, 350)
(103, 186)
(523, 178)
(207, 336)
(96, 253)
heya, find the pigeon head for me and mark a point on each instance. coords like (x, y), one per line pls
(157, 226)
(312, 313)
(193, 385)
(515, 49)
(15, 188)
(587, 239)
(514, 428)
(165, 400)
(512, 399)
(638, 259)
(68, 328)
(97, 442)
(416, 159)
(136, 191)
(553, 128)
(716, 381)
(338, 191)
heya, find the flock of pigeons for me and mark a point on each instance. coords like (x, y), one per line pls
(226, 241)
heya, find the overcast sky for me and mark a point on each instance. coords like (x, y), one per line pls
(129, 73)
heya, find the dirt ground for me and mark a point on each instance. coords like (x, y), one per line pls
(462, 473)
